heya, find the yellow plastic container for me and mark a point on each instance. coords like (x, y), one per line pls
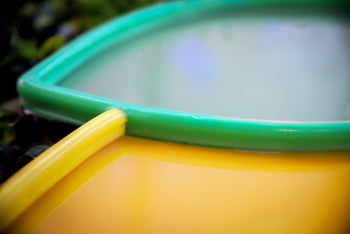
(98, 181)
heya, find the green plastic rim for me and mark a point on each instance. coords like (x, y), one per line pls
(40, 93)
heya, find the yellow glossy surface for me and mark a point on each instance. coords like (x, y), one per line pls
(32, 181)
(135, 185)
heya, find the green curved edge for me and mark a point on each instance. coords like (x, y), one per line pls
(39, 93)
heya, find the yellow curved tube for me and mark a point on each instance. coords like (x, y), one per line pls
(32, 181)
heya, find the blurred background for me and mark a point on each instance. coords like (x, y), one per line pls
(31, 31)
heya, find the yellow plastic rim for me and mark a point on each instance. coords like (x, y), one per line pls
(28, 184)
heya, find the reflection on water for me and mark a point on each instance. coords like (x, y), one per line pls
(285, 68)
(195, 62)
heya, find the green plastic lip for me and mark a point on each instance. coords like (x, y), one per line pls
(39, 92)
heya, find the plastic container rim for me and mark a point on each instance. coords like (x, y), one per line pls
(39, 91)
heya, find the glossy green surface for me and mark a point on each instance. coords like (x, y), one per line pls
(39, 91)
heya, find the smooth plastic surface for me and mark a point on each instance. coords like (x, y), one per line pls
(95, 181)
(136, 185)
(39, 90)
(31, 182)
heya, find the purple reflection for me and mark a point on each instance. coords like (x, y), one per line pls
(194, 61)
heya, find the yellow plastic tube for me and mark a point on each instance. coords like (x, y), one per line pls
(32, 181)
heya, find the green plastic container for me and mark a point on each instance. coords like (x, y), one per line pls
(250, 75)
